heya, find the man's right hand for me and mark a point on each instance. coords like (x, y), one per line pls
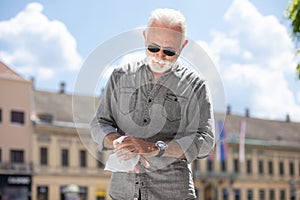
(108, 140)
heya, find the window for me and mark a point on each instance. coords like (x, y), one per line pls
(293, 194)
(83, 193)
(17, 117)
(291, 166)
(65, 157)
(236, 165)
(100, 160)
(43, 156)
(0, 155)
(270, 167)
(250, 194)
(260, 167)
(225, 194)
(272, 194)
(281, 168)
(237, 194)
(261, 195)
(0, 115)
(223, 166)
(196, 166)
(282, 194)
(209, 165)
(248, 166)
(16, 156)
(82, 158)
(42, 192)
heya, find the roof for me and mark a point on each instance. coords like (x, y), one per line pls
(6, 72)
(258, 131)
(62, 107)
(273, 132)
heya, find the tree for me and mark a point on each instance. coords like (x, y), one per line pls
(293, 14)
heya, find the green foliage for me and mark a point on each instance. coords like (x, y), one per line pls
(293, 14)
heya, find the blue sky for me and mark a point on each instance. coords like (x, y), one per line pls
(248, 40)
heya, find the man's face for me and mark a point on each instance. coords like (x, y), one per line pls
(163, 43)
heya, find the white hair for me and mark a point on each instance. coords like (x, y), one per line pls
(170, 18)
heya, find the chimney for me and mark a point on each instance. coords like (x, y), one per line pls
(32, 79)
(287, 118)
(228, 111)
(62, 87)
(247, 112)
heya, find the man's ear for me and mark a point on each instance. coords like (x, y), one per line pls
(144, 34)
(184, 43)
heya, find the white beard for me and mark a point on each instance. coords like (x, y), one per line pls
(161, 66)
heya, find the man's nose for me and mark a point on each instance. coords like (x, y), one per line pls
(160, 54)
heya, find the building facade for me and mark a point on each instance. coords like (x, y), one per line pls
(15, 135)
(46, 147)
(269, 169)
(60, 157)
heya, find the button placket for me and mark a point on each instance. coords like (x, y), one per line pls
(136, 187)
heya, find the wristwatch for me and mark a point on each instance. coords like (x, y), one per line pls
(162, 146)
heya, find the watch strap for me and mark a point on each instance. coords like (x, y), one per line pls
(160, 153)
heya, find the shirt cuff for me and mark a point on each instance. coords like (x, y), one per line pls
(99, 132)
(189, 147)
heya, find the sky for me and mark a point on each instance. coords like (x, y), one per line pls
(248, 41)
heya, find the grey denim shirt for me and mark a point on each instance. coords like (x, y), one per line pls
(176, 108)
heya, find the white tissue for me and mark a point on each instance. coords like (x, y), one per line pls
(118, 164)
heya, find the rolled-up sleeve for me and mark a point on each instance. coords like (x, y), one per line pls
(199, 137)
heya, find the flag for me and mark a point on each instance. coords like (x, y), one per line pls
(242, 141)
(222, 144)
(211, 156)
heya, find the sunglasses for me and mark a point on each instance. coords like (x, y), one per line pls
(155, 48)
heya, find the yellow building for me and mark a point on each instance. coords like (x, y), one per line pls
(42, 153)
(15, 135)
(60, 156)
(270, 169)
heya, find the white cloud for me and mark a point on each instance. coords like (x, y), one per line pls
(38, 46)
(256, 61)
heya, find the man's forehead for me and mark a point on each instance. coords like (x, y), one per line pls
(164, 36)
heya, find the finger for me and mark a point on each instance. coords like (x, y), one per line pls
(121, 146)
(144, 162)
(137, 169)
(130, 156)
(121, 152)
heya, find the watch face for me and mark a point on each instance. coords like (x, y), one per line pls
(161, 145)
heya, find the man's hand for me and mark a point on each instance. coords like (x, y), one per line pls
(132, 146)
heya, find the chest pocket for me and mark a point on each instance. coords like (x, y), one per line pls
(127, 100)
(173, 106)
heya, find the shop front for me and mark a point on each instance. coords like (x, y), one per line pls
(15, 187)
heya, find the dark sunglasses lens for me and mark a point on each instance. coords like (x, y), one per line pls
(169, 52)
(153, 49)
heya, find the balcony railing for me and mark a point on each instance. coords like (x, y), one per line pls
(17, 168)
(215, 175)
